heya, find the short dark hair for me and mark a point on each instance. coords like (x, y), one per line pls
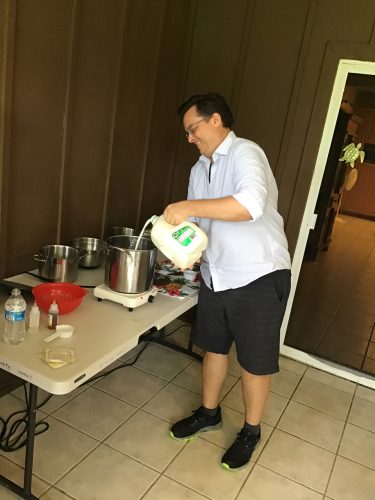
(207, 105)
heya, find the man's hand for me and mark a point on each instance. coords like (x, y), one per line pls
(227, 208)
(175, 213)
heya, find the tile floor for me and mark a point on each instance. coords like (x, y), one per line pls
(109, 439)
(333, 313)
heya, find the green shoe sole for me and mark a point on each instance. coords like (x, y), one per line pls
(189, 438)
(226, 467)
(205, 429)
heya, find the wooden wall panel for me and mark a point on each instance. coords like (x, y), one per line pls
(165, 131)
(7, 28)
(213, 66)
(136, 93)
(39, 86)
(269, 76)
(93, 93)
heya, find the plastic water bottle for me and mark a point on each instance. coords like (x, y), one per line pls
(182, 244)
(15, 309)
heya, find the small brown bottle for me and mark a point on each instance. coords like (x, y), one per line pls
(53, 313)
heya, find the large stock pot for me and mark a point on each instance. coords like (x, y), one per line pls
(128, 270)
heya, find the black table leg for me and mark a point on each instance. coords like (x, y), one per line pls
(31, 416)
(160, 339)
(25, 492)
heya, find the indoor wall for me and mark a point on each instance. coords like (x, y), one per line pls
(89, 136)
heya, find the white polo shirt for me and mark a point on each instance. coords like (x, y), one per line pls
(240, 252)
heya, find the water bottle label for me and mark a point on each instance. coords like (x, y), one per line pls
(184, 235)
(15, 316)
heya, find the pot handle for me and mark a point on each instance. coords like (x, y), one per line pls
(39, 258)
(83, 253)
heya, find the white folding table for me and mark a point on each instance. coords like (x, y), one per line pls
(103, 332)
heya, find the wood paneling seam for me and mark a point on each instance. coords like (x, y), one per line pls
(372, 37)
(122, 38)
(171, 173)
(139, 223)
(67, 116)
(295, 94)
(241, 62)
(6, 96)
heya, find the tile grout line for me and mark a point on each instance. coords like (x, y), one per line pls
(280, 430)
(290, 479)
(194, 393)
(270, 436)
(368, 346)
(340, 441)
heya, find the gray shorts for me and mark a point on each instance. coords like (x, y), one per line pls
(251, 316)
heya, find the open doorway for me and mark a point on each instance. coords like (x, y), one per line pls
(331, 313)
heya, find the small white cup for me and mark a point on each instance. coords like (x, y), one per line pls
(62, 331)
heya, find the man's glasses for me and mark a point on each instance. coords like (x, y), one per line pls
(193, 127)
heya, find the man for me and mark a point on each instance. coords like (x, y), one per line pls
(245, 270)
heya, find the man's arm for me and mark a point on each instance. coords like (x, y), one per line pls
(228, 209)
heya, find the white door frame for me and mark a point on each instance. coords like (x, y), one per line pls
(345, 67)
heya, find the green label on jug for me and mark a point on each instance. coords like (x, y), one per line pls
(184, 235)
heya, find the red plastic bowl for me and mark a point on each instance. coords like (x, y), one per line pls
(68, 296)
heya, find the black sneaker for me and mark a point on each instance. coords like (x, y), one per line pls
(238, 455)
(198, 422)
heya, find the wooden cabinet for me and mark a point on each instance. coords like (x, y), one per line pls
(329, 199)
(360, 200)
(354, 126)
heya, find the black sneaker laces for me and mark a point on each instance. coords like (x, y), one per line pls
(246, 438)
(196, 415)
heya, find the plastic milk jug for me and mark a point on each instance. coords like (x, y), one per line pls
(182, 244)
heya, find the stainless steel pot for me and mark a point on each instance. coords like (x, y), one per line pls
(128, 270)
(129, 231)
(125, 231)
(91, 251)
(58, 263)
